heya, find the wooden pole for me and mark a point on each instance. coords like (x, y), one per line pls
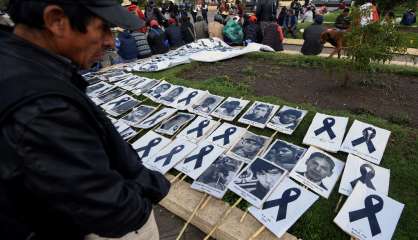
(191, 217)
(176, 177)
(243, 216)
(206, 202)
(219, 222)
(338, 204)
(258, 232)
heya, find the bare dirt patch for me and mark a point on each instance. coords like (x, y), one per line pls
(390, 96)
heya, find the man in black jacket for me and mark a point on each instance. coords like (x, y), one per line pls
(65, 172)
(312, 44)
(266, 12)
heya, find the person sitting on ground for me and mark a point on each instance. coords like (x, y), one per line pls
(232, 32)
(273, 36)
(252, 32)
(201, 28)
(409, 18)
(187, 30)
(173, 33)
(343, 20)
(157, 39)
(216, 27)
(312, 37)
(127, 46)
(290, 23)
(140, 36)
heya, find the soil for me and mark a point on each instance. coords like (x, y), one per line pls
(390, 96)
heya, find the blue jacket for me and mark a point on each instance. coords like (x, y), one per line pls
(290, 19)
(127, 49)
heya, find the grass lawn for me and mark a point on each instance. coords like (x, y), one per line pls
(401, 155)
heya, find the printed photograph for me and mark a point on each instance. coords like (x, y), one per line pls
(230, 108)
(287, 119)
(207, 104)
(137, 115)
(284, 154)
(175, 123)
(248, 146)
(258, 114)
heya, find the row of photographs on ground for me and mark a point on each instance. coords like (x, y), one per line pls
(213, 154)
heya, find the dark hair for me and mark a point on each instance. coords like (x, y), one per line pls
(30, 13)
(321, 156)
(293, 112)
(346, 10)
(260, 166)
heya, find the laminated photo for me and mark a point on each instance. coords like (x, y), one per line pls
(288, 202)
(215, 179)
(226, 135)
(120, 77)
(369, 215)
(248, 146)
(188, 98)
(318, 171)
(230, 108)
(157, 91)
(124, 130)
(198, 129)
(145, 86)
(98, 89)
(257, 181)
(366, 141)
(258, 114)
(169, 156)
(157, 118)
(109, 96)
(120, 105)
(359, 171)
(206, 105)
(137, 115)
(284, 154)
(200, 159)
(287, 119)
(128, 82)
(175, 123)
(326, 132)
(140, 81)
(149, 145)
(171, 96)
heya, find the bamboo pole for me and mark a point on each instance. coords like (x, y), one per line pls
(191, 217)
(176, 177)
(258, 232)
(338, 204)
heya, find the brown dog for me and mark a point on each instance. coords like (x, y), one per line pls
(335, 38)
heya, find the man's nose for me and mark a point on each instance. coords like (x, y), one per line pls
(109, 41)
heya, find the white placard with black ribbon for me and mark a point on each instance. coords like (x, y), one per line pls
(318, 171)
(198, 129)
(120, 105)
(226, 135)
(369, 215)
(200, 159)
(366, 141)
(157, 117)
(326, 132)
(188, 98)
(149, 145)
(284, 207)
(359, 171)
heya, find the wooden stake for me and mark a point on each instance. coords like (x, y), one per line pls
(243, 216)
(206, 202)
(258, 232)
(219, 222)
(338, 204)
(268, 143)
(176, 177)
(191, 216)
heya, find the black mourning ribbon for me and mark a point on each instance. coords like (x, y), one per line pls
(328, 123)
(369, 211)
(199, 129)
(282, 202)
(188, 98)
(367, 174)
(170, 155)
(146, 149)
(152, 121)
(368, 134)
(228, 132)
(199, 157)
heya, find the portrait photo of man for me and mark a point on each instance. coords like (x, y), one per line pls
(284, 154)
(175, 123)
(248, 146)
(109, 96)
(124, 106)
(172, 95)
(138, 114)
(229, 108)
(207, 105)
(258, 114)
(159, 90)
(288, 118)
(318, 167)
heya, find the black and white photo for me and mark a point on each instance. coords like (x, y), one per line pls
(189, 97)
(126, 83)
(215, 179)
(98, 89)
(120, 105)
(318, 171)
(369, 215)
(206, 105)
(109, 96)
(157, 91)
(145, 86)
(138, 114)
(200, 159)
(359, 171)
(149, 145)
(258, 114)
(199, 129)
(230, 108)
(257, 180)
(286, 204)
(248, 146)
(366, 141)
(326, 132)
(170, 96)
(125, 131)
(287, 119)
(226, 135)
(284, 154)
(157, 118)
(175, 123)
(170, 155)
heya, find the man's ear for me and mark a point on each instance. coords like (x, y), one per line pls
(55, 20)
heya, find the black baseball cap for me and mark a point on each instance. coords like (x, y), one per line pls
(109, 10)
